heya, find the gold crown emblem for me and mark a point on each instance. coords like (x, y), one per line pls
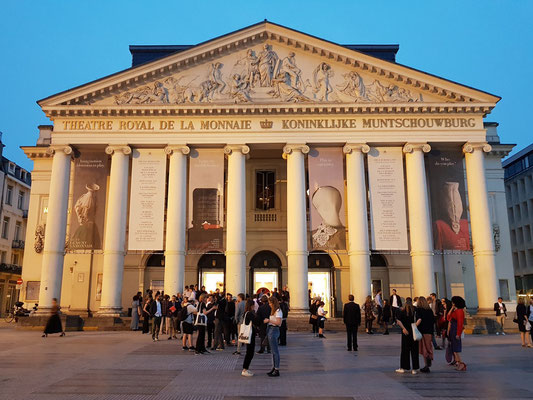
(266, 124)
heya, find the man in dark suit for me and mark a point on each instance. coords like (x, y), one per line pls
(352, 320)
(396, 304)
(501, 313)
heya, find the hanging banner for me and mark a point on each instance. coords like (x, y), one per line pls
(206, 206)
(447, 194)
(326, 198)
(89, 198)
(147, 201)
(387, 198)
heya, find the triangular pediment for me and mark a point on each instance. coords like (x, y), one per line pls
(267, 64)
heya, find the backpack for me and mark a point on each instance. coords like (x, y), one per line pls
(183, 314)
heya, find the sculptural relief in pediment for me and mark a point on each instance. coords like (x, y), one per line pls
(268, 74)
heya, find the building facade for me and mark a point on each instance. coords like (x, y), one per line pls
(265, 158)
(519, 190)
(15, 195)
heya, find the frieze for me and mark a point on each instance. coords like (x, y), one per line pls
(266, 74)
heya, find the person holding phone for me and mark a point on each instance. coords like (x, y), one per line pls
(274, 322)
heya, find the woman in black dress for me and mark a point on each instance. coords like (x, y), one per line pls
(146, 314)
(54, 322)
(521, 316)
(409, 347)
(313, 317)
(386, 316)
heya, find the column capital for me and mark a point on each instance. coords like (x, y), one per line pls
(59, 148)
(469, 147)
(176, 148)
(355, 147)
(230, 148)
(412, 147)
(124, 148)
(290, 148)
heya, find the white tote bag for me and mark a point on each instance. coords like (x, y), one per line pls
(201, 318)
(416, 333)
(245, 333)
(528, 326)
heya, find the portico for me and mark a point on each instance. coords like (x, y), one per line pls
(243, 162)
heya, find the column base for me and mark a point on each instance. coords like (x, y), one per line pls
(299, 313)
(109, 312)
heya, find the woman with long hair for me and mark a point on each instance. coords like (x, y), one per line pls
(146, 314)
(313, 317)
(521, 318)
(456, 318)
(406, 317)
(200, 339)
(427, 320)
(442, 323)
(249, 318)
(274, 322)
(369, 314)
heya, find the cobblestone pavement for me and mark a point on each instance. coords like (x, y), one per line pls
(128, 365)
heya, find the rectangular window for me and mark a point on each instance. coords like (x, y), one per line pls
(9, 195)
(18, 228)
(265, 183)
(5, 227)
(504, 289)
(3, 255)
(20, 201)
(15, 259)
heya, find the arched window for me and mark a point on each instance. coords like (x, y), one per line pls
(265, 259)
(212, 261)
(377, 260)
(319, 259)
(156, 260)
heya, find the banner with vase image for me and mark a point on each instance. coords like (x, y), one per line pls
(447, 194)
(206, 205)
(326, 198)
(87, 214)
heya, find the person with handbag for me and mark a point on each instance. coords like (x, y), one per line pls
(248, 321)
(201, 324)
(456, 318)
(368, 308)
(321, 313)
(406, 320)
(522, 319)
(187, 314)
(425, 315)
(239, 318)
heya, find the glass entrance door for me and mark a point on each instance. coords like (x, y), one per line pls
(265, 279)
(213, 280)
(320, 286)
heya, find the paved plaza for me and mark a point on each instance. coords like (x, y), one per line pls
(128, 365)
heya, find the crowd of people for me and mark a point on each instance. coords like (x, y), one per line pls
(216, 321)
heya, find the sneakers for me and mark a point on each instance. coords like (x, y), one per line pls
(321, 336)
(425, 370)
(497, 333)
(220, 348)
(236, 353)
(259, 352)
(414, 371)
(185, 348)
(400, 371)
(503, 333)
(169, 338)
(192, 348)
(247, 373)
(273, 373)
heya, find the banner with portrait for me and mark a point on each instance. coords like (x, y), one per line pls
(326, 198)
(448, 203)
(87, 214)
(147, 200)
(388, 219)
(206, 205)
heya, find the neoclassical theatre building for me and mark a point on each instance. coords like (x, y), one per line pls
(263, 158)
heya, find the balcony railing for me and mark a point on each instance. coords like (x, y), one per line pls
(17, 244)
(11, 268)
(265, 217)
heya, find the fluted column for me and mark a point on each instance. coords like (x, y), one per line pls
(56, 226)
(420, 232)
(297, 226)
(482, 241)
(115, 230)
(236, 219)
(176, 219)
(358, 245)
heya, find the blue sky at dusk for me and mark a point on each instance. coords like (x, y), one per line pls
(50, 46)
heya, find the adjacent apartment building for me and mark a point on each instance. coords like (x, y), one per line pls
(519, 190)
(15, 194)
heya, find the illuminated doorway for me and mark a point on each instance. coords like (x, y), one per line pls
(320, 281)
(211, 271)
(265, 271)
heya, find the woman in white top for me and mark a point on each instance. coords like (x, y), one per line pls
(274, 322)
(321, 319)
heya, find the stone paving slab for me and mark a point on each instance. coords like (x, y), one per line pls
(116, 365)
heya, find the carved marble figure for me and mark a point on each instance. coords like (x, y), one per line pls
(321, 80)
(267, 61)
(240, 89)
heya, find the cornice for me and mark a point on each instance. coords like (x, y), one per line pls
(228, 110)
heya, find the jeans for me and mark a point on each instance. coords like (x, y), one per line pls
(273, 336)
(155, 327)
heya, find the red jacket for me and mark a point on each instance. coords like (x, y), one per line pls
(459, 316)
